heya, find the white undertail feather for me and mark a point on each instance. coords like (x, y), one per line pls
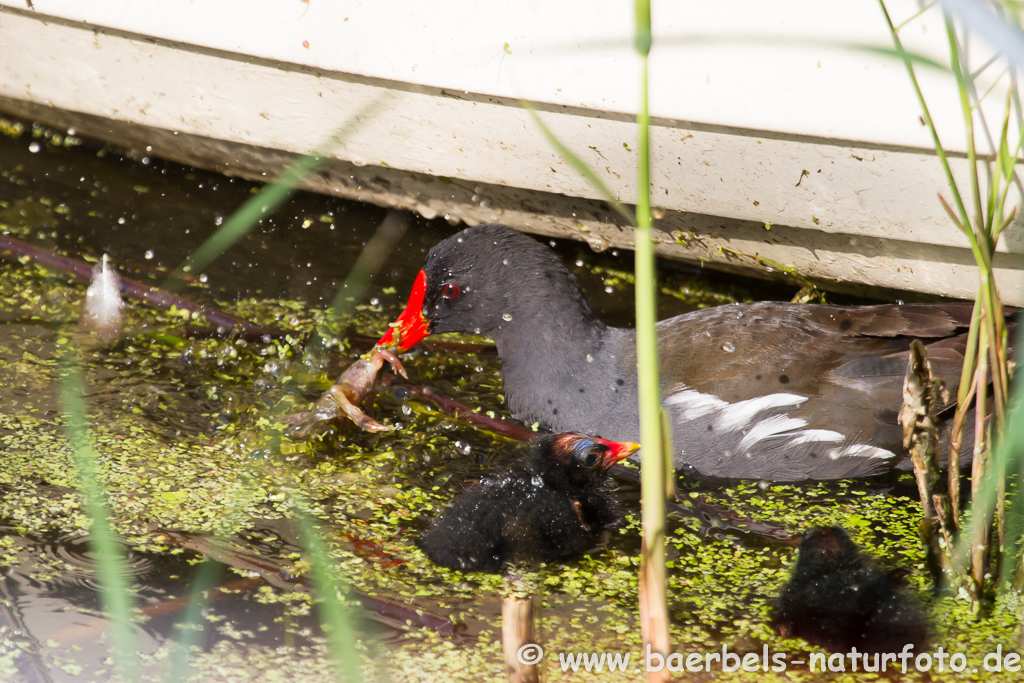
(103, 302)
(760, 419)
(860, 451)
(817, 436)
(740, 414)
(774, 426)
(695, 404)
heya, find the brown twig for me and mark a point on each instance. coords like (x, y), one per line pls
(461, 410)
(518, 614)
(922, 395)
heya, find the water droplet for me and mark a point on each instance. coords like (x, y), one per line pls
(149, 254)
(507, 317)
(608, 289)
(120, 221)
(598, 244)
(504, 261)
(728, 347)
(590, 359)
(579, 263)
(34, 148)
(375, 302)
(203, 278)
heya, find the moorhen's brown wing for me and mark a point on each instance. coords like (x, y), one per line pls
(789, 392)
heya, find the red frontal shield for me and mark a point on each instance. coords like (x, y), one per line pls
(410, 327)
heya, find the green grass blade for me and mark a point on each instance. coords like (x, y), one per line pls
(265, 201)
(579, 165)
(111, 567)
(370, 260)
(190, 625)
(654, 465)
(939, 149)
(332, 609)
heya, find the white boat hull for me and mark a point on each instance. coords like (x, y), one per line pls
(745, 174)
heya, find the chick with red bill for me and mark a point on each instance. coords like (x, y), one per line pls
(551, 505)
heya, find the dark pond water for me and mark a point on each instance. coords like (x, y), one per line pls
(186, 430)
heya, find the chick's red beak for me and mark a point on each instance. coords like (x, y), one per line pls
(410, 327)
(617, 450)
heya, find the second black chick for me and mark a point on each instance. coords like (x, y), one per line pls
(551, 505)
(837, 599)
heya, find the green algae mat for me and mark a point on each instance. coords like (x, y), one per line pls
(191, 440)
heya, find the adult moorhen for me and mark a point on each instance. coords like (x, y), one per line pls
(836, 599)
(769, 390)
(551, 505)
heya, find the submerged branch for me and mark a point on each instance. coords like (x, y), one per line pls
(282, 577)
(162, 299)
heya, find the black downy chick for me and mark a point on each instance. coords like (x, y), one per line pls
(837, 599)
(551, 505)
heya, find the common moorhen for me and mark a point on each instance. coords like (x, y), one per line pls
(551, 505)
(836, 599)
(768, 390)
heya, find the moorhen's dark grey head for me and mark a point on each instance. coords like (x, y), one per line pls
(550, 505)
(488, 280)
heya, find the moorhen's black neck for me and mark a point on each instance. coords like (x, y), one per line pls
(555, 353)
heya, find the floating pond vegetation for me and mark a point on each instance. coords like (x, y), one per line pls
(190, 439)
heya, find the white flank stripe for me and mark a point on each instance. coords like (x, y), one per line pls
(776, 425)
(859, 451)
(738, 415)
(817, 435)
(695, 404)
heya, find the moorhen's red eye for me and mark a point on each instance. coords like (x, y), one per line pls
(450, 291)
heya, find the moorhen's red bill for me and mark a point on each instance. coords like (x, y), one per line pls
(551, 505)
(768, 390)
(836, 599)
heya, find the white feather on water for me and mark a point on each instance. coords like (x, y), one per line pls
(103, 302)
